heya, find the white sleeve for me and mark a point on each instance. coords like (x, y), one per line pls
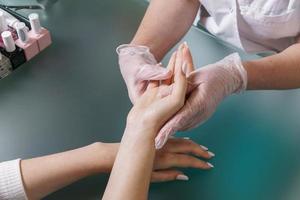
(11, 184)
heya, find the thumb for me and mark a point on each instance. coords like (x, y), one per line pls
(167, 131)
(153, 73)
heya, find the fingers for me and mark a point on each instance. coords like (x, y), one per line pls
(152, 84)
(168, 175)
(171, 67)
(163, 136)
(180, 82)
(186, 146)
(186, 161)
(187, 57)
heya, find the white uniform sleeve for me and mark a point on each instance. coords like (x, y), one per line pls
(11, 184)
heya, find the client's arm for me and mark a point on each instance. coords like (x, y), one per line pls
(132, 169)
(44, 175)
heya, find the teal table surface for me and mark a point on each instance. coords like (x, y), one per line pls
(73, 94)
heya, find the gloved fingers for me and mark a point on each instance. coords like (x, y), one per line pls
(186, 146)
(136, 90)
(196, 104)
(170, 128)
(167, 175)
(163, 136)
(153, 73)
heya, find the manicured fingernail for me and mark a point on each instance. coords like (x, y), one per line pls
(186, 44)
(204, 147)
(182, 177)
(186, 138)
(181, 46)
(184, 68)
(210, 165)
(211, 154)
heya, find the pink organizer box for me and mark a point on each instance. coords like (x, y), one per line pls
(29, 45)
(39, 33)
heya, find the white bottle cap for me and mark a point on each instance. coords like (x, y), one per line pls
(22, 31)
(3, 24)
(35, 23)
(8, 41)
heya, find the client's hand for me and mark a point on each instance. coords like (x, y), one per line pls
(154, 108)
(179, 153)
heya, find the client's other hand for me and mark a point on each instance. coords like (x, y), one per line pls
(177, 153)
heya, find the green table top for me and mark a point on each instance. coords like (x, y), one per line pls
(73, 94)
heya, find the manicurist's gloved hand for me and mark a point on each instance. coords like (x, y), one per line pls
(209, 86)
(138, 66)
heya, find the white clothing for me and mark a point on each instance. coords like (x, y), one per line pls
(11, 184)
(253, 25)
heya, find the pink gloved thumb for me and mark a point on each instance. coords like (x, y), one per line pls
(163, 136)
(153, 73)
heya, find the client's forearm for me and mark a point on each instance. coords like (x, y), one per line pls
(164, 23)
(132, 169)
(44, 175)
(280, 71)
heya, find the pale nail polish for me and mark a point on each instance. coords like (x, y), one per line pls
(181, 46)
(204, 147)
(186, 44)
(182, 177)
(211, 154)
(184, 68)
(210, 165)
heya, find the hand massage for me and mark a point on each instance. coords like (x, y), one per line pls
(172, 98)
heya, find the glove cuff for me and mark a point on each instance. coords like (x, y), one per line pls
(234, 61)
(136, 50)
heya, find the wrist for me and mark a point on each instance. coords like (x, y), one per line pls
(140, 133)
(102, 156)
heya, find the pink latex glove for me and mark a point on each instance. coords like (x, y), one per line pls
(138, 66)
(209, 86)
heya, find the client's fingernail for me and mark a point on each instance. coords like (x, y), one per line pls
(211, 154)
(184, 68)
(186, 44)
(182, 177)
(181, 46)
(204, 147)
(186, 138)
(210, 165)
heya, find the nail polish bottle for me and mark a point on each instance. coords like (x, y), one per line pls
(15, 54)
(5, 27)
(29, 45)
(39, 33)
(5, 66)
